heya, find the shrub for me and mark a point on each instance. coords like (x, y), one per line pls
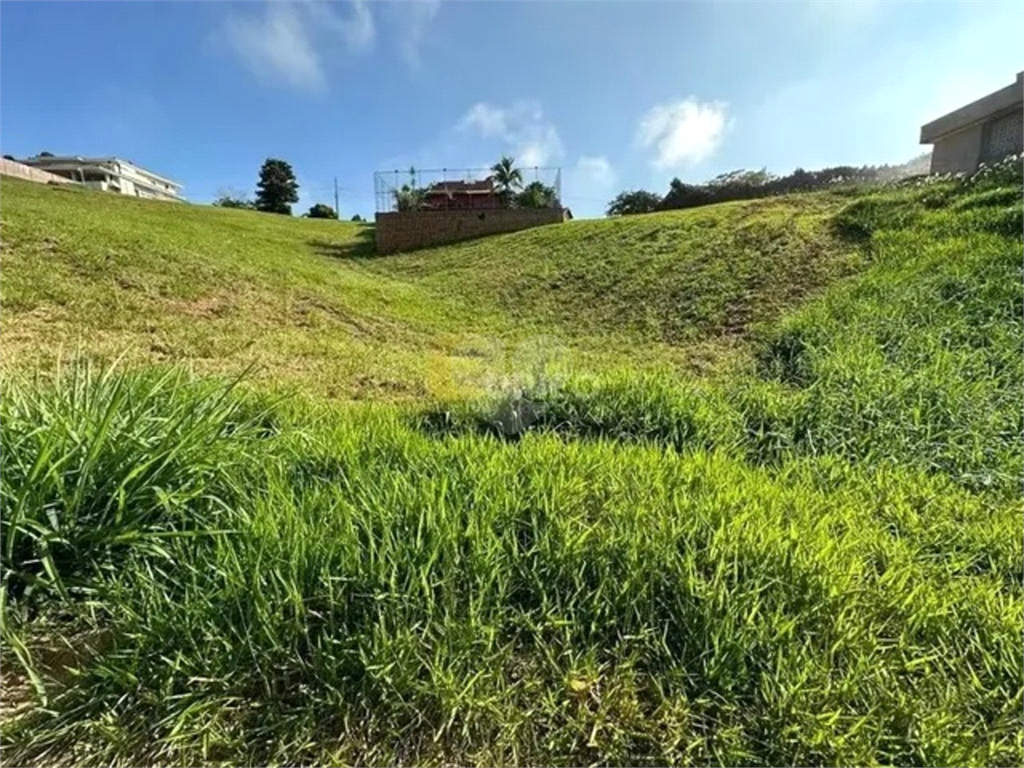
(322, 211)
(634, 202)
(536, 194)
(226, 201)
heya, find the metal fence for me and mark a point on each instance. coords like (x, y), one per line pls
(462, 188)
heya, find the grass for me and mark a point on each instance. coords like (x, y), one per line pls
(304, 302)
(810, 556)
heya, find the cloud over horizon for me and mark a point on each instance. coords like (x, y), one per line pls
(528, 136)
(595, 172)
(682, 133)
(287, 42)
(411, 20)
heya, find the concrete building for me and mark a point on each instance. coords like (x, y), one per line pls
(110, 174)
(984, 131)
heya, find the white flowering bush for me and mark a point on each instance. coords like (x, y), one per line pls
(1003, 173)
(1007, 172)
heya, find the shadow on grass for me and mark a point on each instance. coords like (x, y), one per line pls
(364, 246)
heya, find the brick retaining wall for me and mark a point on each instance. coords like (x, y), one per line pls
(409, 230)
(27, 172)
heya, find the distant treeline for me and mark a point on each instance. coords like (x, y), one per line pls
(747, 185)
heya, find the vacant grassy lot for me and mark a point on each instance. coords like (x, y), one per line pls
(303, 301)
(811, 554)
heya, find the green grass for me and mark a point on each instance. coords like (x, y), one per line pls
(305, 303)
(811, 555)
(664, 278)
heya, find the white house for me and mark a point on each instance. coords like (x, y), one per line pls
(109, 173)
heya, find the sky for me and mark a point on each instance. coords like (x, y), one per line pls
(618, 95)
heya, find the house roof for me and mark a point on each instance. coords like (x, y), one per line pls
(463, 187)
(1002, 101)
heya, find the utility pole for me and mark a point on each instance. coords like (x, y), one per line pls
(336, 198)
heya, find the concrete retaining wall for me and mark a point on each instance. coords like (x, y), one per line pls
(409, 230)
(27, 172)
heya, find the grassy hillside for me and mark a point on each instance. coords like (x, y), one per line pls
(810, 557)
(304, 301)
(673, 278)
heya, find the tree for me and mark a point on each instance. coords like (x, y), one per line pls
(409, 198)
(633, 202)
(536, 195)
(322, 211)
(277, 188)
(749, 178)
(507, 178)
(357, 217)
(682, 195)
(46, 154)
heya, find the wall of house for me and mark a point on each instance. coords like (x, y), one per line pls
(409, 230)
(1003, 136)
(958, 151)
(27, 172)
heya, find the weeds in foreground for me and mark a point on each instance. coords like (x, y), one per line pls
(364, 593)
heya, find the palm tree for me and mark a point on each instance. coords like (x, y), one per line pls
(507, 178)
(409, 198)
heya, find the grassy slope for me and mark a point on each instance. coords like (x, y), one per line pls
(671, 278)
(815, 560)
(223, 288)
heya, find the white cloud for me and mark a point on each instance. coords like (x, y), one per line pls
(595, 172)
(357, 31)
(485, 119)
(275, 46)
(538, 145)
(682, 133)
(409, 22)
(487, 130)
(527, 135)
(285, 43)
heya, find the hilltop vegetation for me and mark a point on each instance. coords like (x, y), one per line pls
(809, 555)
(751, 185)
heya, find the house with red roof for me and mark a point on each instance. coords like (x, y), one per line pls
(462, 195)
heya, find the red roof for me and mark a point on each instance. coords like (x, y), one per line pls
(462, 187)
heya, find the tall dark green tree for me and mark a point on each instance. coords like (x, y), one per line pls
(277, 189)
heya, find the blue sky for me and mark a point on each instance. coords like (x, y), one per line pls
(619, 95)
